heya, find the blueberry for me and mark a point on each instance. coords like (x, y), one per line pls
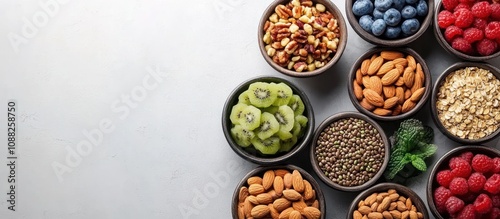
(392, 17)
(362, 7)
(366, 22)
(398, 4)
(410, 26)
(378, 27)
(383, 5)
(408, 12)
(410, 2)
(392, 32)
(422, 8)
(378, 14)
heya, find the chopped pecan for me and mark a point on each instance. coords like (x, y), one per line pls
(297, 11)
(299, 66)
(283, 11)
(291, 47)
(307, 3)
(300, 36)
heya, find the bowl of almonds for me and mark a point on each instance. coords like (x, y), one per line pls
(302, 38)
(389, 84)
(465, 102)
(278, 192)
(388, 200)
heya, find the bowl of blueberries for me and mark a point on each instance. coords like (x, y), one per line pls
(389, 22)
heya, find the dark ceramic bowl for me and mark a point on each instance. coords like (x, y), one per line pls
(259, 171)
(419, 105)
(438, 33)
(251, 154)
(384, 187)
(435, 92)
(315, 162)
(442, 163)
(353, 21)
(332, 8)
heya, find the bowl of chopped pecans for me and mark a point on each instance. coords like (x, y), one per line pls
(302, 38)
(465, 102)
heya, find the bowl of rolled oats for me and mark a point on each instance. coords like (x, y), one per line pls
(302, 38)
(465, 102)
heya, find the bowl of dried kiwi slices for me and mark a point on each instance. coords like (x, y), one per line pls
(266, 120)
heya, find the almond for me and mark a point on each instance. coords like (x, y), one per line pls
(274, 213)
(371, 199)
(256, 189)
(413, 215)
(419, 78)
(405, 215)
(312, 213)
(408, 203)
(411, 61)
(375, 215)
(287, 180)
(400, 82)
(297, 181)
(359, 77)
(389, 91)
(384, 205)
(374, 56)
(397, 110)
(253, 199)
(374, 206)
(364, 210)
(401, 206)
(391, 55)
(408, 76)
(407, 94)
(241, 212)
(357, 215)
(373, 97)
(415, 96)
(243, 194)
(400, 93)
(394, 196)
(382, 112)
(400, 68)
(308, 190)
(280, 172)
(387, 215)
(401, 61)
(260, 211)
(278, 185)
(391, 102)
(364, 66)
(299, 205)
(295, 215)
(268, 179)
(281, 204)
(395, 214)
(386, 67)
(375, 65)
(364, 103)
(366, 81)
(390, 77)
(315, 204)
(358, 91)
(254, 180)
(361, 203)
(264, 198)
(376, 84)
(274, 194)
(247, 207)
(291, 195)
(285, 214)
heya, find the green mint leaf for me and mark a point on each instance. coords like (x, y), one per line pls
(425, 150)
(418, 163)
(396, 165)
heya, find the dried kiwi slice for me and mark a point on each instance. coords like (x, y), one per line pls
(302, 120)
(297, 105)
(285, 117)
(242, 136)
(250, 117)
(287, 145)
(271, 109)
(284, 93)
(243, 98)
(236, 113)
(296, 130)
(261, 95)
(284, 135)
(268, 126)
(267, 146)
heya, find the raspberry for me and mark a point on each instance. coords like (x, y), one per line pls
(445, 19)
(495, 200)
(472, 34)
(463, 46)
(482, 204)
(444, 178)
(461, 6)
(450, 4)
(486, 47)
(492, 30)
(496, 165)
(464, 18)
(452, 32)
(467, 156)
(495, 11)
(492, 184)
(441, 194)
(476, 182)
(468, 2)
(458, 186)
(481, 9)
(454, 205)
(494, 214)
(482, 163)
(479, 23)
(467, 213)
(459, 166)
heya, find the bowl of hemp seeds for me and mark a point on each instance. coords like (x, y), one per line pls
(465, 102)
(349, 151)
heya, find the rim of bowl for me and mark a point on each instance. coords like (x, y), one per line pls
(261, 169)
(438, 166)
(340, 48)
(314, 161)
(381, 187)
(435, 91)
(226, 122)
(421, 102)
(442, 41)
(386, 42)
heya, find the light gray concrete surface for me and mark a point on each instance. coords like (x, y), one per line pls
(119, 105)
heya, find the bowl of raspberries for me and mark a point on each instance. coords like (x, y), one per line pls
(389, 22)
(469, 29)
(465, 183)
